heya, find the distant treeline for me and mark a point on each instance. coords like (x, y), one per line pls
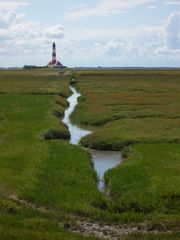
(33, 67)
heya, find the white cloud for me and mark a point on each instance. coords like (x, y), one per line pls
(106, 7)
(116, 44)
(151, 7)
(55, 31)
(128, 46)
(139, 43)
(12, 5)
(10, 18)
(173, 30)
(25, 41)
(166, 52)
(13, 25)
(171, 2)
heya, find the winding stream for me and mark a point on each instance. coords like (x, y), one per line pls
(103, 160)
(75, 132)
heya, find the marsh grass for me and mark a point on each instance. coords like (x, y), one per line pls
(147, 181)
(17, 222)
(162, 236)
(139, 109)
(58, 175)
(50, 172)
(33, 82)
(120, 133)
(116, 95)
(35, 169)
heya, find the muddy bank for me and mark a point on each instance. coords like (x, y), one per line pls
(88, 228)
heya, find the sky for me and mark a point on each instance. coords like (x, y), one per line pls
(107, 33)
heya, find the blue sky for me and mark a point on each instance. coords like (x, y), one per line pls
(90, 33)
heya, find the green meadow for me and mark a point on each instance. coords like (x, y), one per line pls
(43, 172)
(136, 112)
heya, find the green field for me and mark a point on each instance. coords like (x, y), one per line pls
(138, 112)
(127, 107)
(43, 172)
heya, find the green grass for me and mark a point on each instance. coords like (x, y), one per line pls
(62, 182)
(117, 95)
(23, 122)
(45, 172)
(119, 133)
(139, 109)
(129, 106)
(122, 108)
(148, 181)
(17, 222)
(43, 81)
(169, 236)
(48, 172)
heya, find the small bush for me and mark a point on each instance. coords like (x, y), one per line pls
(62, 102)
(59, 111)
(53, 134)
(58, 114)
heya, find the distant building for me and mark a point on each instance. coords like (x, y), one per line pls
(54, 63)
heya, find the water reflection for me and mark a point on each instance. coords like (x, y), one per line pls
(103, 161)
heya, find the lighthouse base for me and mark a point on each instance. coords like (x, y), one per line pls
(56, 65)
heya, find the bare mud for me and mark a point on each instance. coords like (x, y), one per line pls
(88, 228)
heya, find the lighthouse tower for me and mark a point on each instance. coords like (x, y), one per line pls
(54, 62)
(54, 54)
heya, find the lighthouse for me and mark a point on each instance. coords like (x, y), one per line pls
(54, 63)
(54, 54)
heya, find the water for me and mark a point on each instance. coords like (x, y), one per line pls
(76, 132)
(103, 160)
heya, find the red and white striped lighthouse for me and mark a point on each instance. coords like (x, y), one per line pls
(54, 62)
(54, 54)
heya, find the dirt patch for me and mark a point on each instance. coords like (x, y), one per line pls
(87, 228)
(42, 209)
(113, 232)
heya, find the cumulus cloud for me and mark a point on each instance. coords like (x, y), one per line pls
(118, 46)
(171, 2)
(128, 46)
(138, 43)
(12, 5)
(29, 43)
(115, 45)
(152, 7)
(14, 25)
(106, 7)
(10, 18)
(21, 38)
(166, 52)
(173, 30)
(54, 31)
